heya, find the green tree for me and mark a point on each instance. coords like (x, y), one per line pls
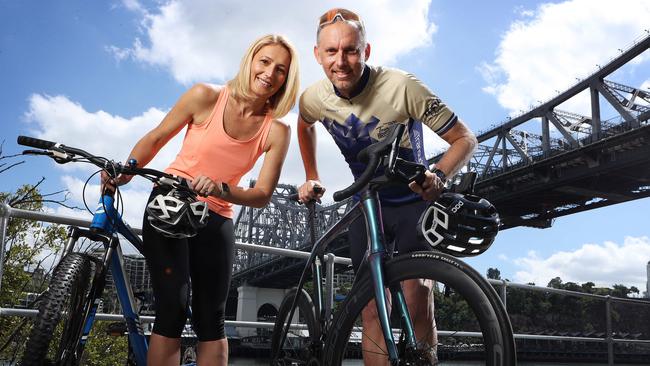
(30, 246)
(103, 349)
(493, 274)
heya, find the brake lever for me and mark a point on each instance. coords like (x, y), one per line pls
(406, 171)
(36, 152)
(58, 156)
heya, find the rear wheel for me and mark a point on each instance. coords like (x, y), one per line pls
(300, 345)
(475, 309)
(60, 314)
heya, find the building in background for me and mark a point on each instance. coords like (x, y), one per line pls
(136, 269)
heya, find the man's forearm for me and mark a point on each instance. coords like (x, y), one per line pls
(458, 154)
(307, 142)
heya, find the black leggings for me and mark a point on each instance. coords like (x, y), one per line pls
(205, 258)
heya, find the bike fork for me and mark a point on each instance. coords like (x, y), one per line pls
(372, 211)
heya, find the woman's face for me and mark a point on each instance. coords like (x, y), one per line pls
(269, 70)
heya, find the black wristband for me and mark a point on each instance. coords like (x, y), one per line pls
(225, 190)
(440, 174)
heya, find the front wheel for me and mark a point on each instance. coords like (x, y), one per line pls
(470, 320)
(300, 345)
(60, 313)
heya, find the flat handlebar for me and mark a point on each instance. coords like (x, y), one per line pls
(64, 154)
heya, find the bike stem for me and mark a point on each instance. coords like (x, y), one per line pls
(372, 211)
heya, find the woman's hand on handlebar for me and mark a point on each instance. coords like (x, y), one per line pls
(306, 191)
(110, 183)
(204, 186)
(430, 189)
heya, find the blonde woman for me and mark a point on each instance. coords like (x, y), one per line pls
(228, 129)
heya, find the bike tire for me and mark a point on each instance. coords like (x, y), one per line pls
(299, 347)
(64, 298)
(492, 318)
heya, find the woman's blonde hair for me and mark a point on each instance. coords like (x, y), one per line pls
(285, 98)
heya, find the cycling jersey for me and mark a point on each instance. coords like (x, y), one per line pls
(384, 97)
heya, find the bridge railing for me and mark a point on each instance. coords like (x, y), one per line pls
(7, 212)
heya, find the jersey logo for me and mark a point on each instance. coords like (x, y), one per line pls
(352, 133)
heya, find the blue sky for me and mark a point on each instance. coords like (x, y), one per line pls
(98, 75)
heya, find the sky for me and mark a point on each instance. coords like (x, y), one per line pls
(99, 75)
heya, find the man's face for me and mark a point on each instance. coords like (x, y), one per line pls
(342, 55)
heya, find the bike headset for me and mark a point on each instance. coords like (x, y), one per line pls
(461, 225)
(177, 213)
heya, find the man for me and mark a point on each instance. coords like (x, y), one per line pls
(356, 104)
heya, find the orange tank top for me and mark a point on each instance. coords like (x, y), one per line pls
(208, 150)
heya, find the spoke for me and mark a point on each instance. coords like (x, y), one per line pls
(375, 343)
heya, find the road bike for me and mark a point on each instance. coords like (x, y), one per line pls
(68, 307)
(324, 336)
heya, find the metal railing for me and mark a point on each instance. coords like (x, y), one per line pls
(7, 212)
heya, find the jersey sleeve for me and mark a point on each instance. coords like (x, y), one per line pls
(423, 105)
(308, 106)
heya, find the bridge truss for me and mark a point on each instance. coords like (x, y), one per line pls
(549, 162)
(282, 224)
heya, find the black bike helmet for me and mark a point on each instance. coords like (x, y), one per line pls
(460, 225)
(177, 214)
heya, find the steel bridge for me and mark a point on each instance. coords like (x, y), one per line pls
(283, 224)
(534, 167)
(549, 162)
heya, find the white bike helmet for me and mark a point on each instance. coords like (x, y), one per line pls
(459, 225)
(177, 214)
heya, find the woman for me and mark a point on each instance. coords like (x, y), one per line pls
(228, 128)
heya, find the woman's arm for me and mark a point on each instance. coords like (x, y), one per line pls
(260, 195)
(193, 105)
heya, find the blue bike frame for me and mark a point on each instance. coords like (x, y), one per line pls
(107, 221)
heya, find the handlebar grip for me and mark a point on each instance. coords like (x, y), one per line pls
(363, 179)
(294, 196)
(34, 142)
(318, 189)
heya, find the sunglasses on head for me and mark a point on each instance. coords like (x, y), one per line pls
(338, 14)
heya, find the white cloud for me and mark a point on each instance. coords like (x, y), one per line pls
(203, 40)
(120, 54)
(57, 118)
(605, 265)
(133, 5)
(545, 52)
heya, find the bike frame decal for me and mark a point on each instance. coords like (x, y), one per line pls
(127, 302)
(102, 220)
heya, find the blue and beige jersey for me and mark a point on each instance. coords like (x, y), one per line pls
(384, 97)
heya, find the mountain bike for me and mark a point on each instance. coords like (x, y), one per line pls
(67, 309)
(327, 337)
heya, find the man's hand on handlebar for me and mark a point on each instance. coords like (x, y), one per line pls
(430, 189)
(306, 191)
